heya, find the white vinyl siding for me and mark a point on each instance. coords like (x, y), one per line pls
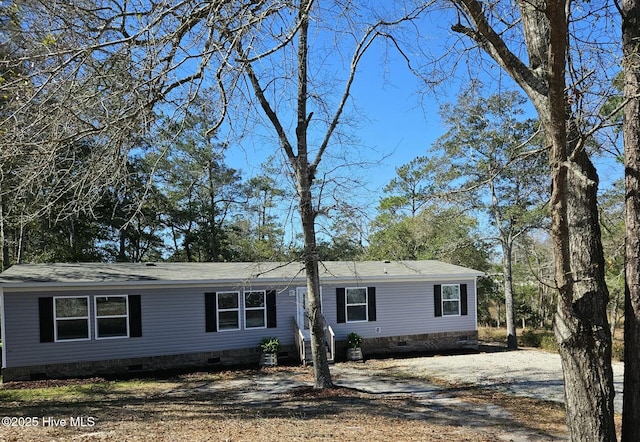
(71, 318)
(173, 321)
(112, 316)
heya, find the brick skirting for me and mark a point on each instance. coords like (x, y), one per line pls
(370, 347)
(420, 343)
(131, 366)
(424, 343)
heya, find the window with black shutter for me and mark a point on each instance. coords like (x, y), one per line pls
(356, 304)
(450, 300)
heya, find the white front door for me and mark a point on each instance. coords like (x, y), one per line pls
(301, 301)
(302, 319)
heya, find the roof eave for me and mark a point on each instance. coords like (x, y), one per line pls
(58, 286)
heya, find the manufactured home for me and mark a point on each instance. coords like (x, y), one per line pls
(68, 320)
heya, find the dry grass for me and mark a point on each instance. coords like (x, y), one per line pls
(231, 406)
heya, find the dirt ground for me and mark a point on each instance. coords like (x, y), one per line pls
(271, 405)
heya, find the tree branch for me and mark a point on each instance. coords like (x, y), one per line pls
(266, 107)
(495, 46)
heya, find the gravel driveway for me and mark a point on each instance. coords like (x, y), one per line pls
(526, 372)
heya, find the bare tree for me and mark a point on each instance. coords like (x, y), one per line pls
(581, 325)
(312, 113)
(92, 72)
(97, 69)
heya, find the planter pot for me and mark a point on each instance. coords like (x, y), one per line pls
(269, 359)
(354, 354)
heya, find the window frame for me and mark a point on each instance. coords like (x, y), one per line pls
(253, 309)
(219, 310)
(98, 317)
(71, 318)
(443, 300)
(358, 304)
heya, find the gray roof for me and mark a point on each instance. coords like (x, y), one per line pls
(24, 275)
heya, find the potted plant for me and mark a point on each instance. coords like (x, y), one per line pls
(354, 349)
(270, 346)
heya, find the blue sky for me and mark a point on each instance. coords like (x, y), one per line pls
(401, 122)
(396, 119)
(393, 122)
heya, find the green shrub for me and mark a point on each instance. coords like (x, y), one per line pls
(529, 338)
(538, 339)
(270, 345)
(549, 343)
(354, 340)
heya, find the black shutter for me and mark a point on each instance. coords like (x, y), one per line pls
(371, 303)
(463, 299)
(271, 309)
(135, 316)
(437, 299)
(341, 303)
(45, 306)
(211, 312)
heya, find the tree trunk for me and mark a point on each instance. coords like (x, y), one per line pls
(305, 174)
(20, 245)
(512, 341)
(3, 239)
(322, 375)
(581, 325)
(122, 245)
(631, 400)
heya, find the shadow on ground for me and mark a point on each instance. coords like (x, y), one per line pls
(282, 398)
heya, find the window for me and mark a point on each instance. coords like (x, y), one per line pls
(356, 304)
(228, 310)
(450, 300)
(112, 317)
(71, 318)
(255, 312)
(223, 310)
(67, 318)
